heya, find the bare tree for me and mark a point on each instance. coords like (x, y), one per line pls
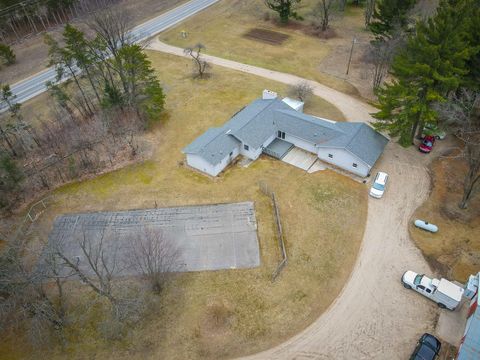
(302, 91)
(200, 64)
(380, 55)
(96, 266)
(461, 114)
(24, 294)
(322, 13)
(100, 265)
(154, 256)
(113, 27)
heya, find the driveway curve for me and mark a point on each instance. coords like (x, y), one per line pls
(373, 317)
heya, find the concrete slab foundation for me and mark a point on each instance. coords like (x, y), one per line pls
(300, 158)
(207, 237)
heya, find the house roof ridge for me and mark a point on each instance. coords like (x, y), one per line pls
(256, 115)
(354, 134)
(313, 119)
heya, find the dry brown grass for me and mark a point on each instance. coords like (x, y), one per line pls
(221, 29)
(455, 250)
(219, 314)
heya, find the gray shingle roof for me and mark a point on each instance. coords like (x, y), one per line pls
(261, 119)
(306, 127)
(213, 145)
(367, 144)
(255, 124)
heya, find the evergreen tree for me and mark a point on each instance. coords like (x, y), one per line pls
(10, 179)
(284, 8)
(389, 16)
(473, 33)
(7, 54)
(143, 90)
(433, 63)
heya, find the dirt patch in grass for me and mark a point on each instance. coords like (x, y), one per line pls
(266, 36)
(455, 250)
(222, 314)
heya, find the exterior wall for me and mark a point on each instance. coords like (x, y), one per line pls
(252, 153)
(344, 160)
(302, 144)
(199, 163)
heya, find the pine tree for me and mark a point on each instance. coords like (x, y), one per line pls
(473, 33)
(388, 16)
(284, 8)
(7, 54)
(433, 63)
(143, 90)
(10, 179)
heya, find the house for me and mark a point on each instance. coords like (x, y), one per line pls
(469, 348)
(274, 126)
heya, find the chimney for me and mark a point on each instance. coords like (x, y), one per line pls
(268, 95)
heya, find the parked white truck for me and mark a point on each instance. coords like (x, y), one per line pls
(445, 293)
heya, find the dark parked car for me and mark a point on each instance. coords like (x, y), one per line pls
(427, 144)
(427, 348)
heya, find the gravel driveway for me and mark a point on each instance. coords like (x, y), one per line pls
(374, 317)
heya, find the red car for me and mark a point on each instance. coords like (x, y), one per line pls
(427, 144)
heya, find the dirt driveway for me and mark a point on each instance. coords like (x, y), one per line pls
(374, 317)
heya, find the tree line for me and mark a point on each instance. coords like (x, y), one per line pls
(106, 93)
(21, 18)
(435, 76)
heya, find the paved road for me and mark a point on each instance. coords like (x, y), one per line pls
(36, 84)
(374, 317)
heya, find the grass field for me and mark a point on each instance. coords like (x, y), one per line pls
(214, 315)
(300, 54)
(455, 250)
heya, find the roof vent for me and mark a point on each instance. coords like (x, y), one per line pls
(269, 95)
(315, 134)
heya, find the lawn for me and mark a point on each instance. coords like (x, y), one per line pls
(221, 314)
(300, 54)
(455, 250)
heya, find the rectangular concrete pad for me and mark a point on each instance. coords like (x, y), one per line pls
(278, 148)
(300, 158)
(207, 237)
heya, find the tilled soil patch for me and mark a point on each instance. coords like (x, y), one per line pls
(266, 36)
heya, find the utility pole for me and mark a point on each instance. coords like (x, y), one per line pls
(350, 57)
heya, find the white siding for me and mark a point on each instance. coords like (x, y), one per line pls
(199, 163)
(252, 153)
(345, 160)
(302, 144)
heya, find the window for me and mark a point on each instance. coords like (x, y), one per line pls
(421, 287)
(281, 134)
(245, 146)
(418, 279)
(355, 165)
(330, 156)
(428, 291)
